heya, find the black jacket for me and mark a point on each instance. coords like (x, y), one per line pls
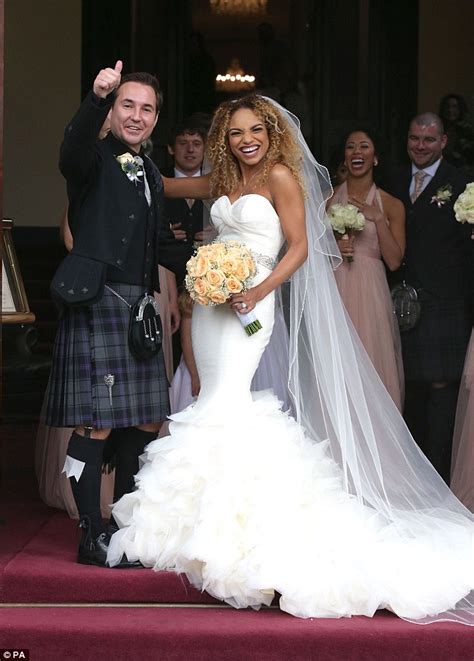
(103, 204)
(439, 253)
(176, 210)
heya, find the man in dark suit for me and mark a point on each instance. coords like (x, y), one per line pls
(438, 263)
(116, 218)
(186, 144)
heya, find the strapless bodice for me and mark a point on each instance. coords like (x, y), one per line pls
(252, 220)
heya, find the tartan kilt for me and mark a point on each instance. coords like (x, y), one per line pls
(436, 348)
(92, 342)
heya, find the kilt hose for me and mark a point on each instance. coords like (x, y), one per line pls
(92, 344)
(435, 349)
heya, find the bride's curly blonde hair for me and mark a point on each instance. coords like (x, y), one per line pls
(226, 176)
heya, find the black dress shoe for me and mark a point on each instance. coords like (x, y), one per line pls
(93, 551)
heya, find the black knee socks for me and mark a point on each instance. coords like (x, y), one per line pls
(86, 491)
(129, 444)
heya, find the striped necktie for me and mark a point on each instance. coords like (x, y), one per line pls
(419, 179)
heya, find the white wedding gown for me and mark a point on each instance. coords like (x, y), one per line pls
(243, 503)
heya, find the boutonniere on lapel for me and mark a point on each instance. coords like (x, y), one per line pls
(132, 166)
(443, 195)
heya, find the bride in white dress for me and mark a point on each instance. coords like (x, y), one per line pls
(338, 512)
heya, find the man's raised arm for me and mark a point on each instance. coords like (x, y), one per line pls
(77, 151)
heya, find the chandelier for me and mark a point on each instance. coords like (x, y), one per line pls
(236, 83)
(238, 7)
(235, 79)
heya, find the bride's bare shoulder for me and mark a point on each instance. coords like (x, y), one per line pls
(279, 173)
(280, 179)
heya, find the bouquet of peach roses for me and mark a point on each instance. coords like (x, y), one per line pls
(218, 270)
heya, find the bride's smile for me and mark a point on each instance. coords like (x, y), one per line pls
(248, 137)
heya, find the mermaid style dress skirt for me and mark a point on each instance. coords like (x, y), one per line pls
(243, 503)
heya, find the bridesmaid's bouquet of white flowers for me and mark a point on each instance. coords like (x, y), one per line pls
(345, 220)
(464, 206)
(218, 270)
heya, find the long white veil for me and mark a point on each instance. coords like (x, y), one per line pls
(338, 396)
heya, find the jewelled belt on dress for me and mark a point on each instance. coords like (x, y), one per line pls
(264, 260)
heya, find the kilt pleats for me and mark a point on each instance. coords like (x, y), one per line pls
(435, 349)
(91, 349)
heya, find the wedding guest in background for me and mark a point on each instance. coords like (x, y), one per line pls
(438, 263)
(459, 128)
(186, 217)
(186, 145)
(361, 278)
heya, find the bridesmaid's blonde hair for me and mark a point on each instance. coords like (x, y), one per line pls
(284, 149)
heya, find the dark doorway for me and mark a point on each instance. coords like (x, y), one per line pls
(332, 62)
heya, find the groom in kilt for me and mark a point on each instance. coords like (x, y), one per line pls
(115, 213)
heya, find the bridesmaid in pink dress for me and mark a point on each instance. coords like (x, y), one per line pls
(462, 467)
(362, 282)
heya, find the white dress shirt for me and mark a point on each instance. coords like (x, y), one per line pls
(429, 172)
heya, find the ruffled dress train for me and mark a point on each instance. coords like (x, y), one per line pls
(242, 502)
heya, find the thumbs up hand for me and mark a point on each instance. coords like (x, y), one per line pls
(108, 80)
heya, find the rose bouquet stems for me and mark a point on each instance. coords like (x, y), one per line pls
(346, 236)
(345, 220)
(217, 271)
(250, 322)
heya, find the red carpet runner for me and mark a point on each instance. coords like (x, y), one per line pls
(37, 567)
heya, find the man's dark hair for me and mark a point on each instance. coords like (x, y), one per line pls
(189, 126)
(143, 78)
